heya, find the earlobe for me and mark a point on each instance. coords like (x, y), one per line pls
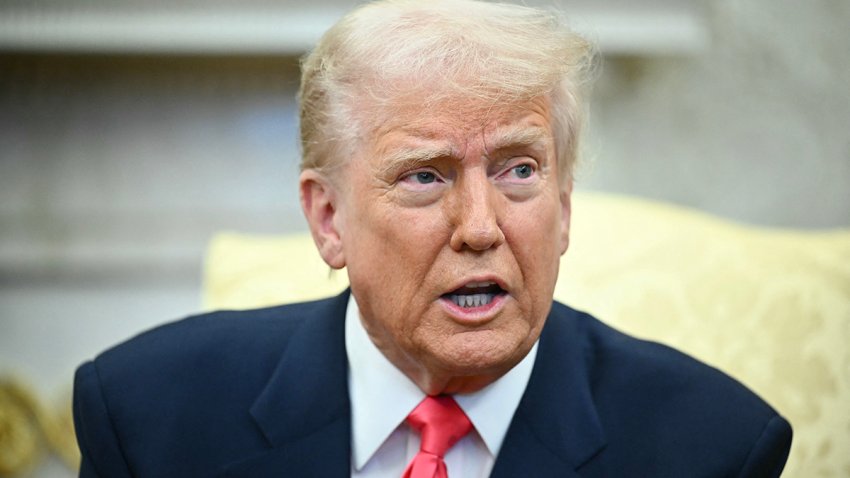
(319, 203)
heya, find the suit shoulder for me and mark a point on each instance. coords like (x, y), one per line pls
(231, 342)
(210, 329)
(639, 361)
(646, 389)
(194, 377)
(619, 359)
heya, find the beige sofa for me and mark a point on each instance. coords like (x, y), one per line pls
(770, 307)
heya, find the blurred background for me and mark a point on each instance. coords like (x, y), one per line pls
(131, 131)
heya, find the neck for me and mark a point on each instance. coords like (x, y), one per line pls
(436, 381)
(453, 385)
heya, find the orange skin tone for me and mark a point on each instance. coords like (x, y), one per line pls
(432, 201)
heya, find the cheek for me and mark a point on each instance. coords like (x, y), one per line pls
(534, 234)
(536, 224)
(392, 251)
(415, 235)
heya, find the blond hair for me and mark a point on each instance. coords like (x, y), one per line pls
(395, 52)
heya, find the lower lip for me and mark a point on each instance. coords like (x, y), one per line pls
(477, 315)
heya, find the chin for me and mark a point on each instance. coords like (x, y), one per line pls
(481, 353)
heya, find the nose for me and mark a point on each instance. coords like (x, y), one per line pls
(476, 214)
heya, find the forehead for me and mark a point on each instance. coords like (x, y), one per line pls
(455, 124)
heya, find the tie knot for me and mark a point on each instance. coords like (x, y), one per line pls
(441, 423)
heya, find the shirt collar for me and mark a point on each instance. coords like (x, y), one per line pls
(382, 396)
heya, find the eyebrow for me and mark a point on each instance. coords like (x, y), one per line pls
(419, 154)
(518, 138)
(412, 157)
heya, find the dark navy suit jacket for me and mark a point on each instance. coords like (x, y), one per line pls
(264, 393)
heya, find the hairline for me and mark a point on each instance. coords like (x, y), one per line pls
(349, 126)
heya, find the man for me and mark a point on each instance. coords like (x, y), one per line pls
(438, 141)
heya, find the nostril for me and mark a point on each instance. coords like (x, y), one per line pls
(476, 225)
(477, 239)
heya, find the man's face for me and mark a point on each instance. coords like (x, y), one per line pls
(452, 225)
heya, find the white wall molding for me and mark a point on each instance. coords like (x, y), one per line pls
(643, 28)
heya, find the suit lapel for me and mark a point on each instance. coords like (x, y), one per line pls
(304, 410)
(556, 429)
(305, 416)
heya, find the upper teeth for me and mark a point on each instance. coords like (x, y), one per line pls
(474, 285)
(474, 300)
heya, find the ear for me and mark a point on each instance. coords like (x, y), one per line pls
(319, 199)
(566, 213)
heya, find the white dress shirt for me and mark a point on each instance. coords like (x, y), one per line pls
(383, 444)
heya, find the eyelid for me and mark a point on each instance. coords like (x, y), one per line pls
(507, 166)
(421, 169)
(405, 160)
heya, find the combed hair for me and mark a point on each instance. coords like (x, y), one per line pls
(394, 53)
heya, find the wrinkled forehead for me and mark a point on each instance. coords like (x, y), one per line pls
(382, 93)
(452, 115)
(417, 134)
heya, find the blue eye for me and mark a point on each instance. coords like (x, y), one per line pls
(424, 177)
(523, 171)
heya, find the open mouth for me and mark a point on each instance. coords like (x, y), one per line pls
(475, 294)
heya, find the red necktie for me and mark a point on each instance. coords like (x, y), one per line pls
(441, 423)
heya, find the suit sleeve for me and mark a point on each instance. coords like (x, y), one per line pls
(99, 445)
(768, 455)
